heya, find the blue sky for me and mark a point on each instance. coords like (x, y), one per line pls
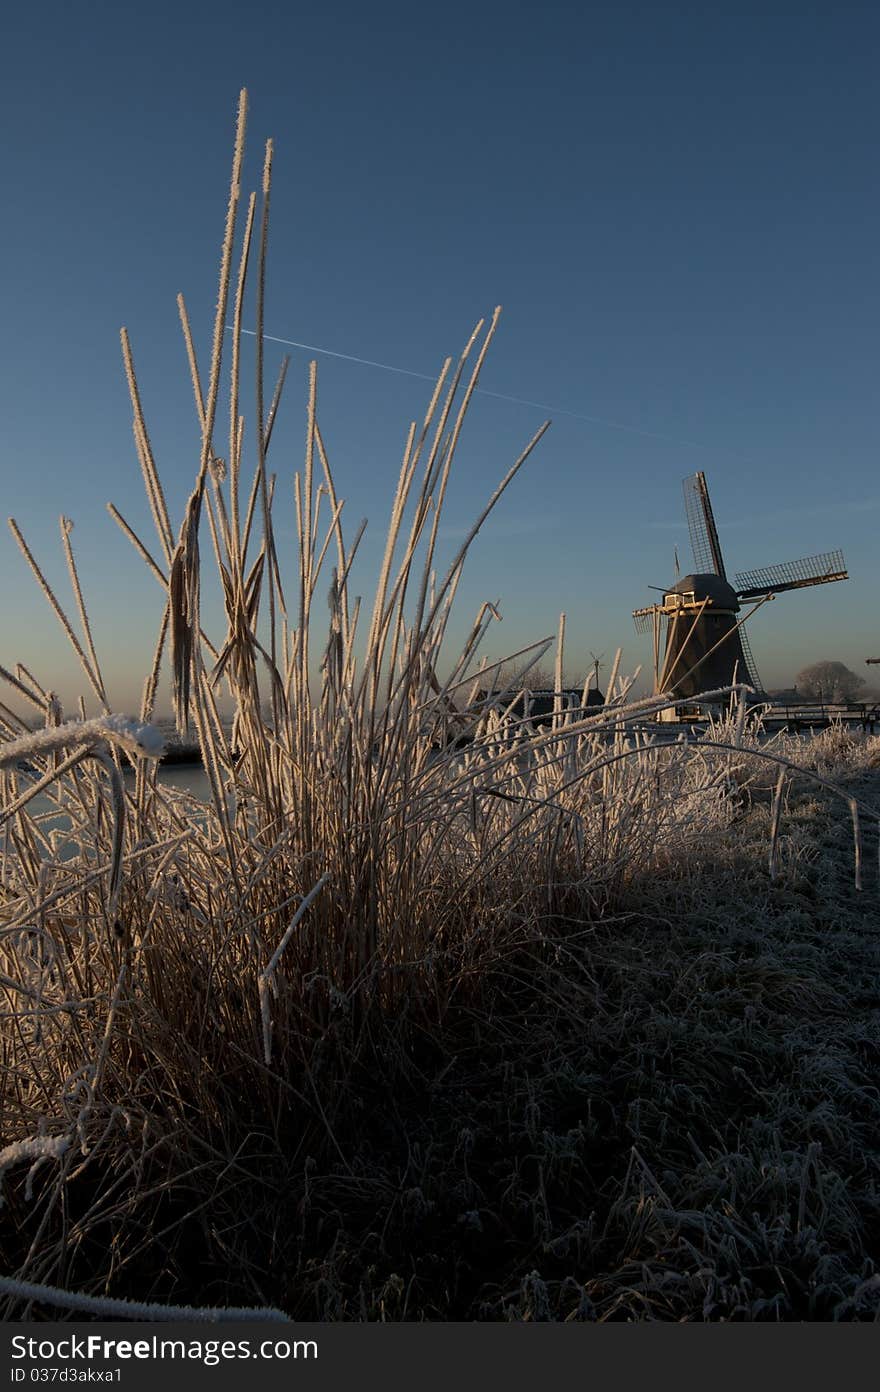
(677, 206)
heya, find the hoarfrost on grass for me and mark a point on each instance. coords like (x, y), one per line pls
(33, 1148)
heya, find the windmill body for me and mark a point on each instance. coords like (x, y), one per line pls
(703, 643)
(700, 641)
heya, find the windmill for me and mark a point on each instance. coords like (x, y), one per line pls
(597, 664)
(704, 617)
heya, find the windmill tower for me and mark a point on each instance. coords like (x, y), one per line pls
(701, 622)
(597, 664)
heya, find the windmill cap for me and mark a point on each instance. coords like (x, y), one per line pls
(710, 587)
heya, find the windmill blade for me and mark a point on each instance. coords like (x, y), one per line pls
(792, 575)
(751, 672)
(642, 619)
(701, 525)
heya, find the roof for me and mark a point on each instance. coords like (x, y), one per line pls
(710, 587)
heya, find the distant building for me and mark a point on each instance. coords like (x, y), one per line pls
(541, 703)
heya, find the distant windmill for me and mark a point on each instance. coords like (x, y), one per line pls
(705, 642)
(597, 663)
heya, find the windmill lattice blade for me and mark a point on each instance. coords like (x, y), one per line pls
(751, 672)
(792, 575)
(701, 525)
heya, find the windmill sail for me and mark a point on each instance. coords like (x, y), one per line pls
(791, 575)
(751, 672)
(642, 620)
(701, 525)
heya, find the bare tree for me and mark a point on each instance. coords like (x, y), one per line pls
(829, 681)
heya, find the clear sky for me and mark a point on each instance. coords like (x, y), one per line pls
(676, 204)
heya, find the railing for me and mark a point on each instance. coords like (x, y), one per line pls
(801, 713)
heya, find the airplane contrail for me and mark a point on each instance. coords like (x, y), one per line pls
(483, 391)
